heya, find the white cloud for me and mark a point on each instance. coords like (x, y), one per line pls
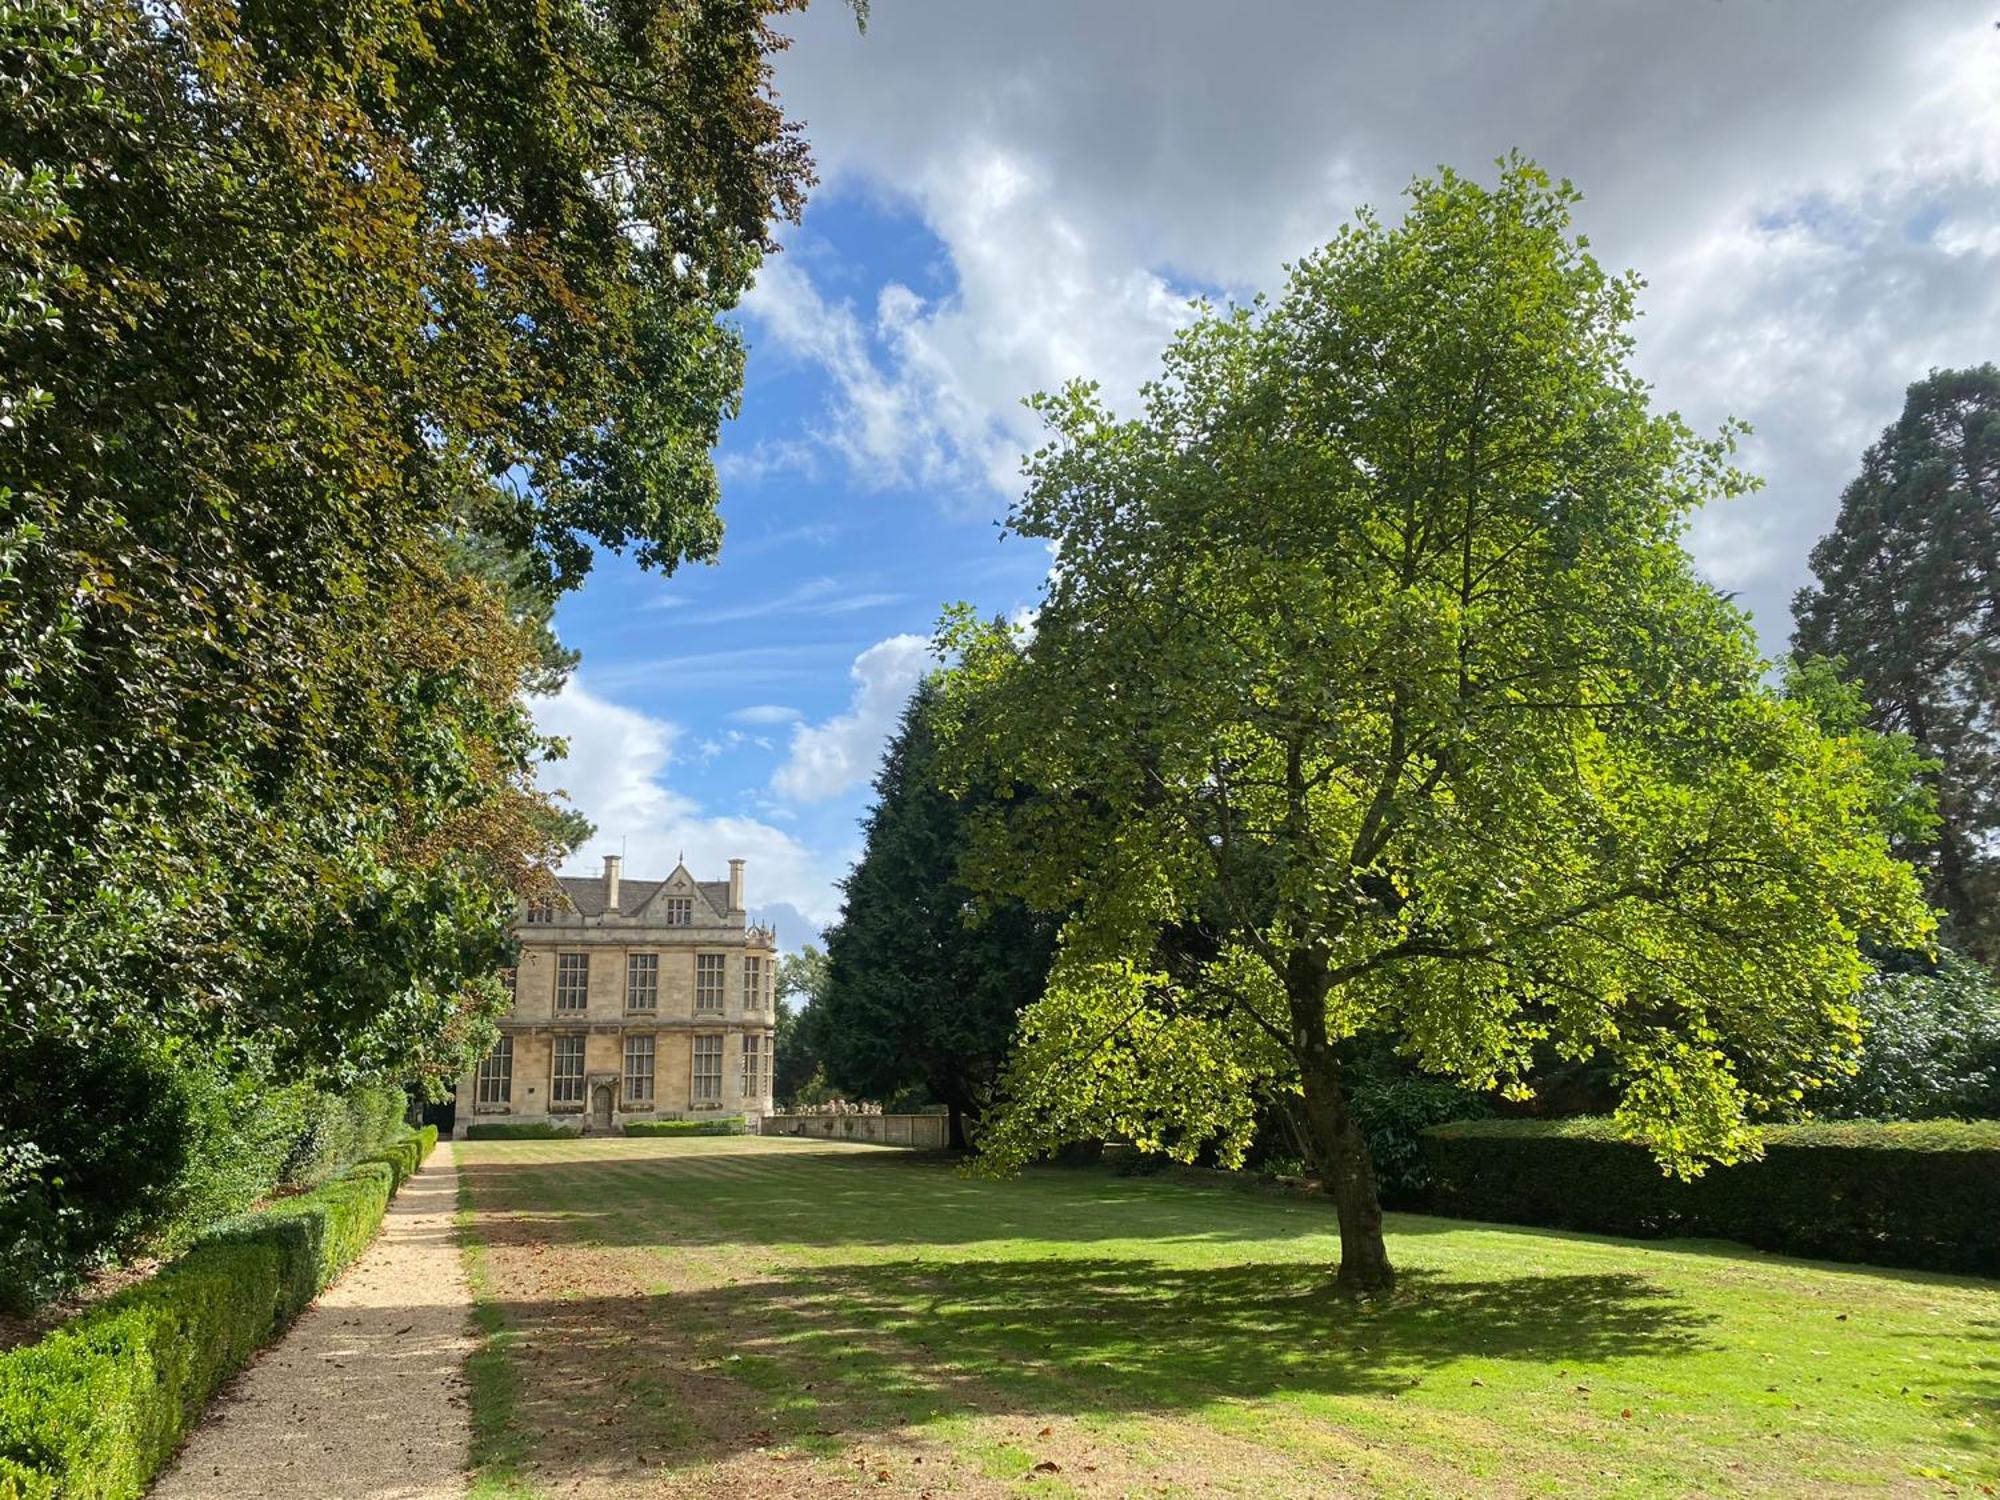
(838, 755)
(1813, 191)
(766, 713)
(615, 774)
(751, 467)
(815, 596)
(729, 667)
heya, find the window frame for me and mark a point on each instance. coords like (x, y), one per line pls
(497, 1066)
(640, 1046)
(680, 911)
(541, 911)
(581, 989)
(648, 965)
(706, 1044)
(717, 966)
(755, 1062)
(559, 1047)
(753, 981)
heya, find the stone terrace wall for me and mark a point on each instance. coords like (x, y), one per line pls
(927, 1132)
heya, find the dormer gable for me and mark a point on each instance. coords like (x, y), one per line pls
(680, 901)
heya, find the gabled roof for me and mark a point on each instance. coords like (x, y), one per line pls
(586, 893)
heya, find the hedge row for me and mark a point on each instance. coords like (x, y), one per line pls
(96, 1407)
(726, 1125)
(521, 1130)
(1919, 1193)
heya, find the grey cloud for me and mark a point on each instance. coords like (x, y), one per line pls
(1772, 168)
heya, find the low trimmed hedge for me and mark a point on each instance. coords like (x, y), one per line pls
(1915, 1193)
(521, 1130)
(726, 1125)
(96, 1407)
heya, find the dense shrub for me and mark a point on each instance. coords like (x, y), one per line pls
(521, 1130)
(170, 1143)
(236, 1132)
(727, 1125)
(338, 1128)
(1931, 1049)
(1901, 1194)
(97, 1406)
(94, 1139)
(1394, 1110)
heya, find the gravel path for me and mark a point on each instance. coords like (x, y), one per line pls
(363, 1398)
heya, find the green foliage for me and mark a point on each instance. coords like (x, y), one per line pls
(335, 1129)
(1376, 695)
(1394, 1109)
(155, 1146)
(1899, 1194)
(923, 982)
(726, 1125)
(97, 1406)
(520, 1130)
(1930, 1047)
(333, 339)
(801, 981)
(1903, 603)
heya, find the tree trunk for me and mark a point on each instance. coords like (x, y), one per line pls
(1346, 1173)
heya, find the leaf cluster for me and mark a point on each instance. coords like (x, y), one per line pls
(333, 339)
(1373, 695)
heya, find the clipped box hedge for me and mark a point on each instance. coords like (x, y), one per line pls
(522, 1130)
(99, 1405)
(1918, 1193)
(725, 1125)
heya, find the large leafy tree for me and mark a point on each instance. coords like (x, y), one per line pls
(333, 338)
(1906, 598)
(922, 984)
(1373, 696)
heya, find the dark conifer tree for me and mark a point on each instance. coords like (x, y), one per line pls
(1907, 598)
(923, 985)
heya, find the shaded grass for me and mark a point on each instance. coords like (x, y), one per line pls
(499, 1440)
(846, 1298)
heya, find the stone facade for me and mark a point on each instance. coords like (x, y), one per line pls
(633, 1000)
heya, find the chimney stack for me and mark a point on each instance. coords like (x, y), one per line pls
(736, 885)
(613, 865)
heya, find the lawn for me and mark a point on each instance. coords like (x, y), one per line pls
(780, 1317)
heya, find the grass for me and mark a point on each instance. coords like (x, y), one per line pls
(770, 1317)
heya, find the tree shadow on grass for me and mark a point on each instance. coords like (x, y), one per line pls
(860, 1196)
(1976, 1403)
(859, 1352)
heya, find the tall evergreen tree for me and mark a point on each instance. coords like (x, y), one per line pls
(1907, 598)
(922, 984)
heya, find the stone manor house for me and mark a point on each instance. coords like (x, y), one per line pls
(633, 1000)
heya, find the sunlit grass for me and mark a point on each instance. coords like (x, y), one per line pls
(1166, 1335)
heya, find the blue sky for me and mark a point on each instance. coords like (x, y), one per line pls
(1016, 195)
(770, 678)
